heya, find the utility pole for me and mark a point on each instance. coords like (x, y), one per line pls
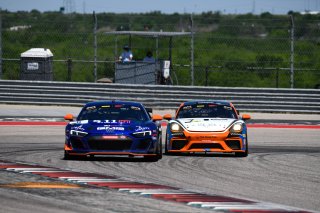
(95, 46)
(292, 53)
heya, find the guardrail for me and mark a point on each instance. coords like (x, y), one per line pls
(159, 96)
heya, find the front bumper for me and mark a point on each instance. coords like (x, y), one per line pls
(100, 145)
(206, 142)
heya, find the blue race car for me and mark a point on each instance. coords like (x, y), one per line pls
(113, 128)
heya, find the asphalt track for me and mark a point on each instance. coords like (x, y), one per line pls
(282, 168)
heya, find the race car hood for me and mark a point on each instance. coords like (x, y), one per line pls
(206, 124)
(110, 126)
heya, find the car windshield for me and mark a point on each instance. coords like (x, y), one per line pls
(207, 110)
(113, 112)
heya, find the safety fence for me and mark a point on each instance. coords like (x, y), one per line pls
(220, 50)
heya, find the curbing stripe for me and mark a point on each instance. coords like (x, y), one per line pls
(156, 191)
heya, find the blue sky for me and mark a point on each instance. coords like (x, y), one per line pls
(165, 6)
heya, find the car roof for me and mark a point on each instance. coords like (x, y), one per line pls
(208, 102)
(100, 103)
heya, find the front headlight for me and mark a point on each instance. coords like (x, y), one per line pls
(176, 127)
(237, 127)
(142, 134)
(78, 133)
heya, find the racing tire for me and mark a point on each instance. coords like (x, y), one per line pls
(158, 153)
(66, 156)
(71, 157)
(243, 154)
(166, 152)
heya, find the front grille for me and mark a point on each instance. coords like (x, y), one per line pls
(76, 143)
(206, 146)
(100, 144)
(144, 143)
(178, 144)
(233, 144)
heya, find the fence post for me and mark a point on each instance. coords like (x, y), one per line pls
(69, 65)
(0, 45)
(207, 75)
(192, 51)
(95, 46)
(277, 77)
(292, 53)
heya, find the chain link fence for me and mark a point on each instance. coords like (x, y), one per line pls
(221, 50)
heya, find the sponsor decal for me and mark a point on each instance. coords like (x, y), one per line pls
(112, 121)
(212, 105)
(105, 121)
(79, 122)
(140, 128)
(187, 107)
(91, 108)
(78, 128)
(207, 137)
(195, 121)
(135, 108)
(124, 121)
(108, 128)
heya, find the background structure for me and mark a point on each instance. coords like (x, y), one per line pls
(280, 51)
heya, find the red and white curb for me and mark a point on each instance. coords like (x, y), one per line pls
(155, 191)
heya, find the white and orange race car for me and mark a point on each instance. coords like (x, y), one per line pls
(205, 127)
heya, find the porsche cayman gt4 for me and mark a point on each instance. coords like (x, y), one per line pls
(113, 128)
(205, 127)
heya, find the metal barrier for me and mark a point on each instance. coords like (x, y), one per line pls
(159, 96)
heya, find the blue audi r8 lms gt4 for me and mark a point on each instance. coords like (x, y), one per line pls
(113, 128)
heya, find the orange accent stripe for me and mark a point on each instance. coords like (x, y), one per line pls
(40, 185)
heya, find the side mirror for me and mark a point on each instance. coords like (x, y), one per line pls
(156, 117)
(167, 117)
(68, 117)
(246, 117)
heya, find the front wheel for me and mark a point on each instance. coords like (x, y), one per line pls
(158, 152)
(66, 156)
(243, 154)
(166, 146)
